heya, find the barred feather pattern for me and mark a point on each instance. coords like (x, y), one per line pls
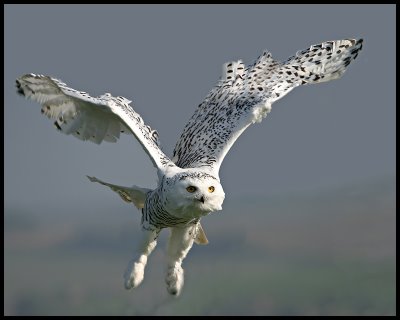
(244, 96)
(155, 216)
(87, 118)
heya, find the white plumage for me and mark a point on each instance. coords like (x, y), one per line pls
(189, 186)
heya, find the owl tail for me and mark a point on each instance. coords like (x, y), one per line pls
(322, 62)
(133, 194)
(200, 236)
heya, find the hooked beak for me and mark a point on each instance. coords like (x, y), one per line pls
(201, 199)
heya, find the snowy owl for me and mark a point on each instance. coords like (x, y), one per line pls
(189, 186)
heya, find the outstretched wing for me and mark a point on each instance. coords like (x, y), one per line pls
(244, 96)
(87, 118)
(134, 194)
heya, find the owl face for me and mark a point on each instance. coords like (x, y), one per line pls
(194, 194)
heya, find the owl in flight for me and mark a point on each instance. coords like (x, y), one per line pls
(188, 187)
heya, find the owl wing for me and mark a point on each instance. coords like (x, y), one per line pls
(87, 118)
(134, 194)
(244, 96)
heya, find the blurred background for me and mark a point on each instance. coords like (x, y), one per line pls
(308, 223)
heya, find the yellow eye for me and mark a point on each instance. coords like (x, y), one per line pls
(211, 189)
(191, 189)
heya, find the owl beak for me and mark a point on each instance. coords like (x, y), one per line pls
(201, 199)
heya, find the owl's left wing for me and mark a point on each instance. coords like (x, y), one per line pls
(87, 118)
(244, 96)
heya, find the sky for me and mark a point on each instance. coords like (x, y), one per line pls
(166, 58)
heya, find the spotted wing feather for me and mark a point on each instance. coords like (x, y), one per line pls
(244, 96)
(88, 118)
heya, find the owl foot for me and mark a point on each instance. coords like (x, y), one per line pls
(174, 280)
(134, 275)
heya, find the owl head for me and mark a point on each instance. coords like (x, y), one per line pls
(193, 192)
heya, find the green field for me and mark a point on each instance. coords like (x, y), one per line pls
(326, 253)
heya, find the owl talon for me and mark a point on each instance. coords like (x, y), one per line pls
(174, 280)
(134, 275)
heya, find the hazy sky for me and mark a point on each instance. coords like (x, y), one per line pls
(166, 58)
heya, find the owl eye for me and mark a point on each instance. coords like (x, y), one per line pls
(191, 189)
(211, 189)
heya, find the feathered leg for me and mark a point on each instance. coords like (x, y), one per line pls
(134, 273)
(179, 243)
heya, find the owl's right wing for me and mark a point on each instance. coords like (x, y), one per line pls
(244, 96)
(134, 194)
(88, 118)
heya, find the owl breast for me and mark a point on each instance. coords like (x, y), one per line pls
(157, 215)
